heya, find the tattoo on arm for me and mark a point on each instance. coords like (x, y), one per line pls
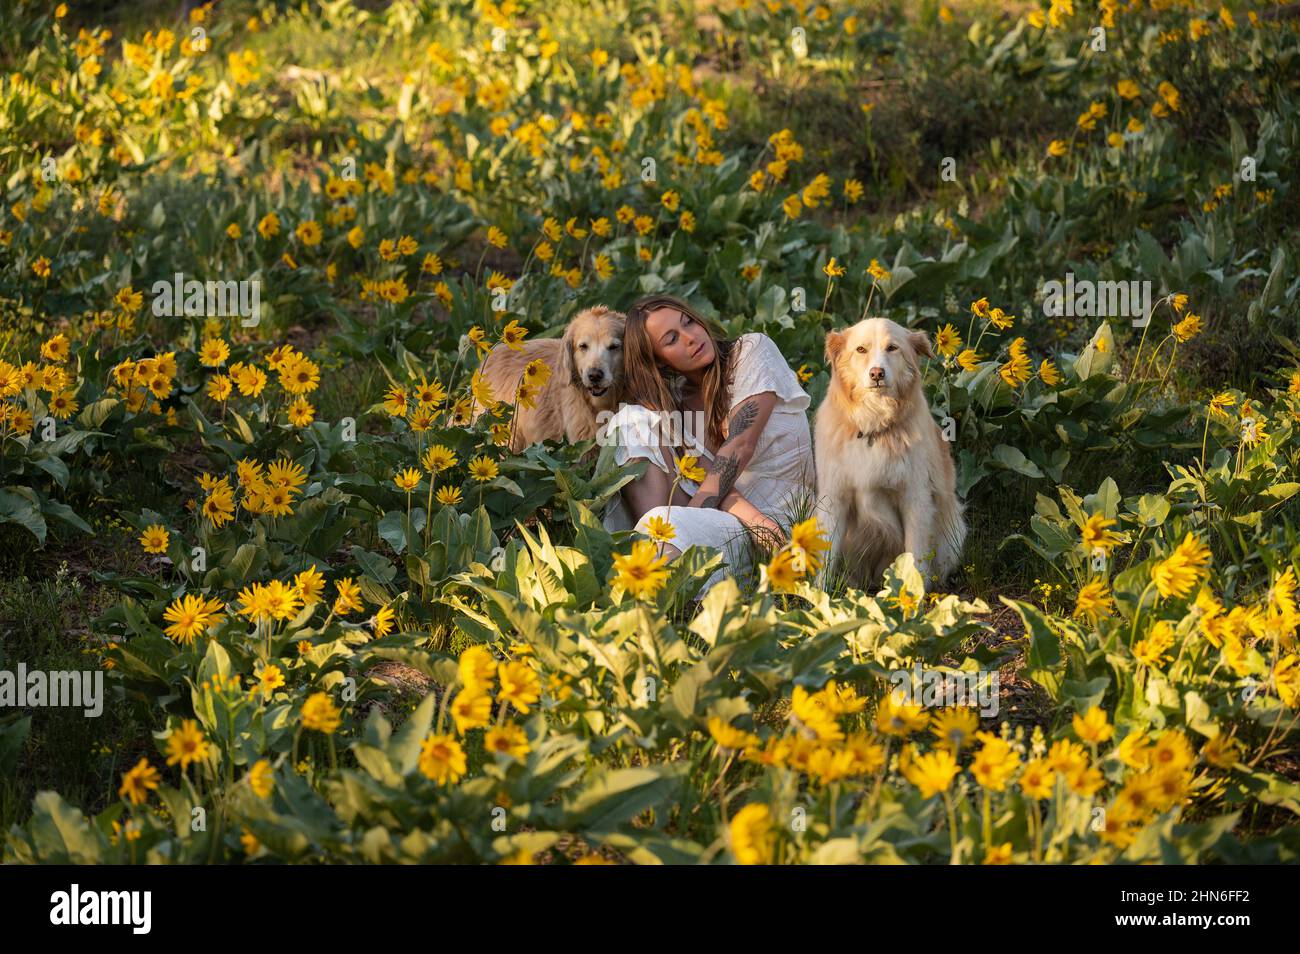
(726, 467)
(745, 416)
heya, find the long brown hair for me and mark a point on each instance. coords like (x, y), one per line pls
(652, 384)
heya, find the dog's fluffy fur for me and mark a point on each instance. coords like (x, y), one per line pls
(883, 467)
(586, 378)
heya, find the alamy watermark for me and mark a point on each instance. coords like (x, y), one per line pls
(196, 299)
(937, 688)
(1089, 299)
(635, 426)
(36, 687)
(74, 907)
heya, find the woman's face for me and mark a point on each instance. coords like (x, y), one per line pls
(679, 340)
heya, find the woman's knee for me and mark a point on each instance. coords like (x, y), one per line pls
(663, 513)
(642, 494)
(643, 526)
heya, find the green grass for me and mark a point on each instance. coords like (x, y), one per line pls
(45, 621)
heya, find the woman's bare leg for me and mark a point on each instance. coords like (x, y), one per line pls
(651, 490)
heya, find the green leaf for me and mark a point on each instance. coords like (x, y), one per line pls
(1198, 715)
(1011, 459)
(18, 509)
(95, 413)
(1044, 652)
(241, 425)
(241, 564)
(1082, 696)
(373, 565)
(62, 511)
(392, 528)
(1153, 509)
(54, 467)
(613, 798)
(404, 749)
(1099, 354)
(684, 697)
(772, 307)
(61, 833)
(1283, 491)
(13, 734)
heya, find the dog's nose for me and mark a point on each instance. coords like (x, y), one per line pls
(877, 375)
(596, 375)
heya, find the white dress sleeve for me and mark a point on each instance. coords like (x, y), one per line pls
(634, 431)
(760, 367)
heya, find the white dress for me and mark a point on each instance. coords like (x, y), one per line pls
(779, 480)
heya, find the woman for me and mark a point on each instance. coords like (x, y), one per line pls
(754, 442)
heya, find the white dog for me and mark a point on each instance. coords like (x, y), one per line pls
(883, 467)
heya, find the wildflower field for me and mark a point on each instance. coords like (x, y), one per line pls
(338, 621)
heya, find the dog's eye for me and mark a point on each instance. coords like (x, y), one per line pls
(583, 346)
(861, 350)
(615, 345)
(892, 347)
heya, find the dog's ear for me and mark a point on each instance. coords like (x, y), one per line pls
(568, 366)
(834, 345)
(617, 329)
(921, 344)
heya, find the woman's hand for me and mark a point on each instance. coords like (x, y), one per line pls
(743, 431)
(763, 528)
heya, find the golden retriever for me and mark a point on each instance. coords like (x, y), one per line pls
(586, 377)
(883, 468)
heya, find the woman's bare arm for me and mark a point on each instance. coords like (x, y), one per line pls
(744, 429)
(717, 490)
(763, 527)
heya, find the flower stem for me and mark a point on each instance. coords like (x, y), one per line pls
(954, 857)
